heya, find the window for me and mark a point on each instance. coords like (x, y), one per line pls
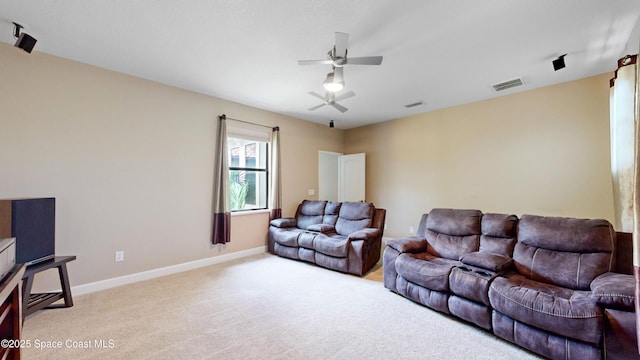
(248, 170)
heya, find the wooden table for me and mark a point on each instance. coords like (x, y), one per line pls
(34, 302)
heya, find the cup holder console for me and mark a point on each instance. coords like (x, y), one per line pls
(478, 272)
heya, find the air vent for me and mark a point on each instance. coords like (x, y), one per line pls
(409, 106)
(507, 84)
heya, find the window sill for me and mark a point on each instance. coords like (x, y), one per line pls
(250, 212)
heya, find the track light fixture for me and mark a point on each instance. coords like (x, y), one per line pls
(24, 41)
(559, 63)
(331, 124)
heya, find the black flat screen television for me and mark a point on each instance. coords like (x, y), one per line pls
(33, 223)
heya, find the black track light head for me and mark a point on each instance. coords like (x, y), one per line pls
(559, 63)
(24, 41)
(331, 124)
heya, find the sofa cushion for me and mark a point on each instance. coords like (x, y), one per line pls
(323, 228)
(559, 310)
(288, 237)
(354, 216)
(488, 261)
(567, 269)
(412, 244)
(365, 234)
(452, 233)
(426, 270)
(310, 212)
(564, 251)
(616, 291)
(283, 222)
(566, 234)
(498, 234)
(305, 239)
(471, 283)
(331, 212)
(334, 245)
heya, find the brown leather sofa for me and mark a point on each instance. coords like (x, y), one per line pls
(552, 285)
(345, 236)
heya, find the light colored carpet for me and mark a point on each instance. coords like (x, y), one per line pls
(261, 307)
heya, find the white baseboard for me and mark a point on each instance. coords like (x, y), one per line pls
(151, 274)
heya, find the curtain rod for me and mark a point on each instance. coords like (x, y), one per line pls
(223, 116)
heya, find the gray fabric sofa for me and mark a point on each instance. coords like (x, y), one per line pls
(551, 285)
(345, 236)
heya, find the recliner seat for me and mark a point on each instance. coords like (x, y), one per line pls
(548, 284)
(346, 236)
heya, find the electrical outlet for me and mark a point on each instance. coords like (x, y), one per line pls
(311, 192)
(411, 230)
(119, 256)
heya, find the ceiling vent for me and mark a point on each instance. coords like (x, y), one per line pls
(507, 84)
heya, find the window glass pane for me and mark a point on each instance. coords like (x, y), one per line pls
(235, 156)
(248, 187)
(247, 153)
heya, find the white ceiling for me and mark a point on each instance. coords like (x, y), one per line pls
(441, 52)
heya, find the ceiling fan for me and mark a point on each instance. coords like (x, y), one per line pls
(337, 58)
(330, 99)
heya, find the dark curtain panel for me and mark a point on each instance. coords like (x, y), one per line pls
(221, 204)
(276, 187)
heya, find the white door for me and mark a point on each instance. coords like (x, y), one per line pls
(351, 179)
(328, 170)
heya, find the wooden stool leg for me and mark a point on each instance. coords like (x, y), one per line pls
(64, 283)
(26, 293)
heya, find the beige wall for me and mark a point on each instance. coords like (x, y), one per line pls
(129, 162)
(544, 151)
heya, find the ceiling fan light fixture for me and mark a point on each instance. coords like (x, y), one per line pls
(331, 85)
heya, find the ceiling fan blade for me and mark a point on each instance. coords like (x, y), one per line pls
(342, 39)
(315, 62)
(315, 94)
(316, 107)
(338, 75)
(339, 107)
(366, 60)
(345, 96)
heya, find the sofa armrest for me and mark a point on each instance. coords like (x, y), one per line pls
(412, 244)
(613, 290)
(323, 228)
(284, 222)
(488, 261)
(365, 234)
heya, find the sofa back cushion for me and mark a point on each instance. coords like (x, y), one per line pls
(498, 234)
(354, 216)
(566, 252)
(310, 212)
(331, 212)
(452, 233)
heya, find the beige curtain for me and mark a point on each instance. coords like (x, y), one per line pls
(276, 186)
(622, 115)
(636, 188)
(221, 202)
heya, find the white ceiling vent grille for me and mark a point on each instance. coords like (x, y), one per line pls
(507, 84)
